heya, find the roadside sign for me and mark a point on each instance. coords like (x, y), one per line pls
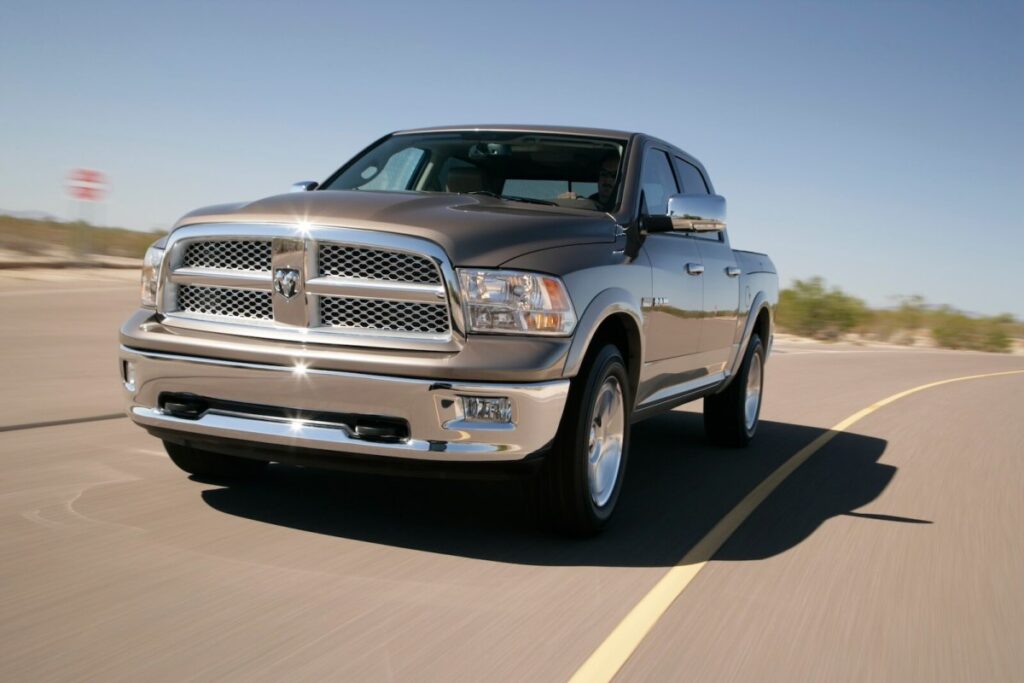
(86, 184)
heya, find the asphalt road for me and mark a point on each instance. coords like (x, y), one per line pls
(894, 553)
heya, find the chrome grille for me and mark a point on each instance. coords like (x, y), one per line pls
(228, 255)
(354, 287)
(376, 264)
(225, 302)
(380, 314)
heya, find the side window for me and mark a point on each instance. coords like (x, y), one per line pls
(657, 182)
(690, 177)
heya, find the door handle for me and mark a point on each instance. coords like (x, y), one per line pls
(694, 268)
(733, 271)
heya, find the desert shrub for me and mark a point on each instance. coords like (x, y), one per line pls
(809, 309)
(899, 325)
(954, 329)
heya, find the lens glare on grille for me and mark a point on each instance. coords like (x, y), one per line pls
(379, 314)
(228, 255)
(221, 301)
(376, 264)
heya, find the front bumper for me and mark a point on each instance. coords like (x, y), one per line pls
(437, 429)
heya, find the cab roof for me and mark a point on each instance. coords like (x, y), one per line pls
(520, 128)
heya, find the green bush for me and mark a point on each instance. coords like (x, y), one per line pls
(955, 330)
(900, 325)
(811, 310)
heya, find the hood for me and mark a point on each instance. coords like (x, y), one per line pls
(474, 230)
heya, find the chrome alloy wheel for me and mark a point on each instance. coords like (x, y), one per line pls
(607, 430)
(753, 395)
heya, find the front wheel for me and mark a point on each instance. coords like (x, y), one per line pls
(731, 417)
(584, 472)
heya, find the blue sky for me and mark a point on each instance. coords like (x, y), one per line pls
(878, 144)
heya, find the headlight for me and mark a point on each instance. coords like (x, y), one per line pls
(151, 275)
(514, 302)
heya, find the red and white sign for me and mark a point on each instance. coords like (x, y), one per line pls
(87, 185)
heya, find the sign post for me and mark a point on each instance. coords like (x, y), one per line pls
(85, 185)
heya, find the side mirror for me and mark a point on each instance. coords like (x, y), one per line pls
(697, 212)
(305, 186)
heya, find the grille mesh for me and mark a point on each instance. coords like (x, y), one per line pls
(336, 313)
(229, 255)
(221, 301)
(376, 264)
(378, 314)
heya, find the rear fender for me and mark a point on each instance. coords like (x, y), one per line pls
(759, 304)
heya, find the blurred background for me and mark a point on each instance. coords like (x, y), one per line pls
(873, 149)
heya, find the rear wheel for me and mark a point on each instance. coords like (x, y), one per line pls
(584, 472)
(216, 465)
(731, 417)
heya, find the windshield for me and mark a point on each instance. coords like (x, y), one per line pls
(570, 171)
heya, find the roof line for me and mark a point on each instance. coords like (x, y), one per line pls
(521, 128)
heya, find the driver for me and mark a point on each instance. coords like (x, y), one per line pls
(606, 178)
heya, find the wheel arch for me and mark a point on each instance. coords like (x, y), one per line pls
(759, 320)
(612, 317)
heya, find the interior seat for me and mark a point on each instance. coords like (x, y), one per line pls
(464, 180)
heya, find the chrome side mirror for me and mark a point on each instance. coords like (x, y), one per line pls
(697, 212)
(305, 186)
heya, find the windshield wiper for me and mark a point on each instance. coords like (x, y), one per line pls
(512, 198)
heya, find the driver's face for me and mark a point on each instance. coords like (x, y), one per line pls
(606, 180)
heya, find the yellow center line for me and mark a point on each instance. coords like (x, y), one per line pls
(620, 644)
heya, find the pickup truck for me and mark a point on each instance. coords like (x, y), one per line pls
(472, 300)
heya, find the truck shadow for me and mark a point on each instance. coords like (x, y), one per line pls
(678, 486)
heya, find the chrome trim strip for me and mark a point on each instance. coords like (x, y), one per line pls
(267, 329)
(285, 434)
(221, 278)
(311, 435)
(375, 289)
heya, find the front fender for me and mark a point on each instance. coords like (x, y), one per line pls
(608, 302)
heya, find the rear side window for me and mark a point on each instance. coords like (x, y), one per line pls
(690, 177)
(657, 182)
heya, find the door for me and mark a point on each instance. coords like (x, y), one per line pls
(673, 316)
(721, 280)
(721, 301)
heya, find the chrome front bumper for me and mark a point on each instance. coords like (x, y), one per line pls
(437, 429)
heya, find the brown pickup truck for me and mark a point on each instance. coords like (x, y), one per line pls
(478, 300)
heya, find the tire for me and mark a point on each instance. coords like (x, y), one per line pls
(214, 465)
(580, 495)
(731, 417)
